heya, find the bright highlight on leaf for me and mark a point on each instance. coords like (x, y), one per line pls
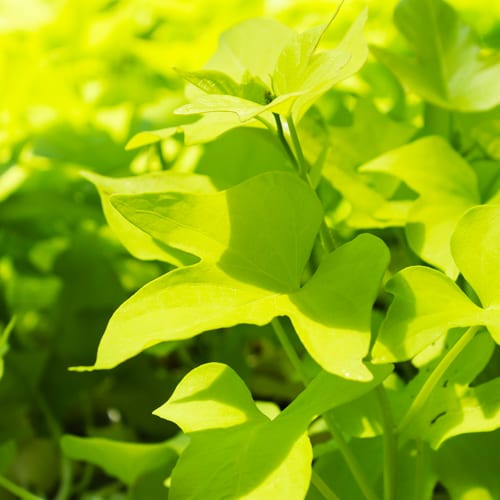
(250, 456)
(427, 303)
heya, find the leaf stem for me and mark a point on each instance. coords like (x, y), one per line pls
(298, 160)
(342, 444)
(322, 487)
(289, 350)
(284, 142)
(17, 490)
(435, 377)
(161, 157)
(299, 154)
(390, 444)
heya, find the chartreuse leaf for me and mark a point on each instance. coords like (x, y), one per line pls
(299, 75)
(454, 407)
(250, 456)
(447, 186)
(137, 242)
(125, 461)
(448, 69)
(252, 260)
(213, 405)
(427, 303)
(476, 248)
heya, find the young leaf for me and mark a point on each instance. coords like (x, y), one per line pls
(447, 186)
(250, 272)
(448, 69)
(301, 75)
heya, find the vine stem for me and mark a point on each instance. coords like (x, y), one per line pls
(17, 490)
(390, 444)
(435, 377)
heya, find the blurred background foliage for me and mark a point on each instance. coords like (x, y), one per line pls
(78, 78)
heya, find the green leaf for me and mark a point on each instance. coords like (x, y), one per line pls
(149, 137)
(250, 455)
(447, 187)
(449, 68)
(301, 76)
(454, 407)
(210, 81)
(250, 272)
(218, 83)
(125, 461)
(332, 311)
(214, 406)
(426, 304)
(468, 466)
(475, 246)
(235, 56)
(137, 242)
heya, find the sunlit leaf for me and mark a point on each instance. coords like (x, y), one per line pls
(449, 68)
(247, 273)
(447, 186)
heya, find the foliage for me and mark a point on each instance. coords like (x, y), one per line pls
(298, 251)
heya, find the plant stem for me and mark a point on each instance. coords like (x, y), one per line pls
(419, 475)
(17, 490)
(300, 164)
(435, 377)
(299, 154)
(161, 157)
(390, 444)
(349, 457)
(289, 350)
(342, 445)
(66, 479)
(284, 142)
(322, 487)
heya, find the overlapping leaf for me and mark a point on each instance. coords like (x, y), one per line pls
(299, 75)
(254, 241)
(250, 456)
(447, 186)
(137, 242)
(448, 69)
(427, 303)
